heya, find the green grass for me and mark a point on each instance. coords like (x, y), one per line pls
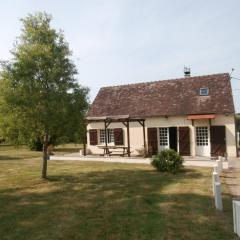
(68, 147)
(106, 201)
(8, 152)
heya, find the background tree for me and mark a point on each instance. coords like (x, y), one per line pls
(238, 122)
(40, 97)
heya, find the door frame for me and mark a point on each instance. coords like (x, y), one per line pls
(162, 147)
(207, 151)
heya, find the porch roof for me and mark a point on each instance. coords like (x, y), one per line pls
(116, 118)
(201, 116)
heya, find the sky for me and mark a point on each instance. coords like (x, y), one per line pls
(127, 41)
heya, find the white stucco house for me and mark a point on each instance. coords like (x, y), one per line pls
(193, 115)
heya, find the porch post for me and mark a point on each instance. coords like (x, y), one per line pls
(192, 141)
(85, 140)
(144, 139)
(128, 139)
(105, 127)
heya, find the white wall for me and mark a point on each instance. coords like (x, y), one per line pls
(136, 131)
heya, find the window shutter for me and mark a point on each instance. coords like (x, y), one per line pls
(152, 141)
(184, 141)
(93, 136)
(118, 136)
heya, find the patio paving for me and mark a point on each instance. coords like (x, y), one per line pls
(188, 161)
(231, 177)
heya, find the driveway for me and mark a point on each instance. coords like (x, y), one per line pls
(231, 177)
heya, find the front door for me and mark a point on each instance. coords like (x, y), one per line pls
(173, 138)
(163, 138)
(152, 141)
(202, 141)
(184, 141)
(218, 140)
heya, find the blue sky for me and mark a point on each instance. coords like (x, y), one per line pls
(126, 41)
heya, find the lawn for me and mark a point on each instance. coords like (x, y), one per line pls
(106, 201)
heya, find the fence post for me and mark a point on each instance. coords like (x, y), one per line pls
(215, 168)
(238, 139)
(221, 161)
(218, 196)
(215, 178)
(236, 217)
(219, 166)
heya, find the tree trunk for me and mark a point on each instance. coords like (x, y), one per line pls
(45, 156)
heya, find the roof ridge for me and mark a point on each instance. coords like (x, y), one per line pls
(165, 80)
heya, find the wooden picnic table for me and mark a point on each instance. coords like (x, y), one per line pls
(110, 150)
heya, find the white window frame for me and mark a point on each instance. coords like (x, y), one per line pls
(101, 136)
(202, 136)
(110, 136)
(163, 138)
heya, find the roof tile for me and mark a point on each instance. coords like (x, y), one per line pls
(166, 97)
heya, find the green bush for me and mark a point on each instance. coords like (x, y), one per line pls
(167, 160)
(35, 144)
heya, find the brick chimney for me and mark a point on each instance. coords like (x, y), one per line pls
(187, 72)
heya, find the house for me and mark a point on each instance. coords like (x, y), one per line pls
(192, 115)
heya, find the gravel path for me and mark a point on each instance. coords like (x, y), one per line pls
(231, 177)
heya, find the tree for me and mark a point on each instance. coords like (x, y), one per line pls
(39, 93)
(238, 122)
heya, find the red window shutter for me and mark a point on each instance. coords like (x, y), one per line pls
(93, 136)
(118, 136)
(152, 141)
(184, 141)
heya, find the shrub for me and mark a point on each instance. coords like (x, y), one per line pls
(35, 144)
(167, 160)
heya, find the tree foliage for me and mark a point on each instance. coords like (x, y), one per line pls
(39, 92)
(238, 122)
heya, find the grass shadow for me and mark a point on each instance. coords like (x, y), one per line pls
(118, 201)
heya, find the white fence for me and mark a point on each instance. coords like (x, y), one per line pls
(238, 139)
(217, 193)
(236, 217)
(216, 185)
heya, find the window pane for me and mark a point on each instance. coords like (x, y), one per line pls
(102, 136)
(204, 91)
(202, 136)
(163, 136)
(110, 136)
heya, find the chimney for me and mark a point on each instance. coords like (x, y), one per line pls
(187, 72)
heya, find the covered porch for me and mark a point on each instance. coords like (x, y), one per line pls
(108, 149)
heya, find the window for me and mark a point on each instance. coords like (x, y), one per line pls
(204, 91)
(202, 136)
(102, 136)
(163, 136)
(110, 135)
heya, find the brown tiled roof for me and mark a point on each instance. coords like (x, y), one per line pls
(168, 97)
